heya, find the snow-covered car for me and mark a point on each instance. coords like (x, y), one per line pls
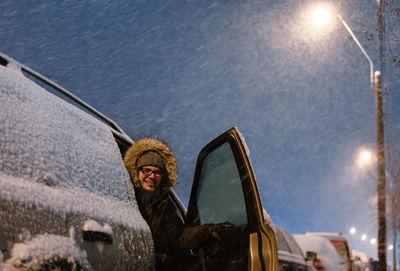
(290, 255)
(361, 261)
(342, 246)
(67, 201)
(327, 258)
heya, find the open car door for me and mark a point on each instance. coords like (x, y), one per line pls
(224, 190)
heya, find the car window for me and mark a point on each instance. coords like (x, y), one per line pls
(294, 248)
(341, 248)
(220, 174)
(281, 241)
(51, 141)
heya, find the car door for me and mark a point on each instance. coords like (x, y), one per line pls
(105, 217)
(224, 190)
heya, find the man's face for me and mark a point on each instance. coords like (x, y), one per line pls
(150, 178)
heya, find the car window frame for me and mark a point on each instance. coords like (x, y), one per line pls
(262, 244)
(252, 202)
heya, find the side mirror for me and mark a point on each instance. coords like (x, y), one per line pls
(311, 255)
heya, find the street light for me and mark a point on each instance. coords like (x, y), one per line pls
(321, 16)
(363, 237)
(377, 84)
(364, 158)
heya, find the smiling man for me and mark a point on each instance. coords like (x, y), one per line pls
(150, 178)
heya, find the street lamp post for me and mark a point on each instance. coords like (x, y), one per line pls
(377, 83)
(381, 174)
(371, 64)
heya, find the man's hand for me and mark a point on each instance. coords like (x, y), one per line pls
(218, 230)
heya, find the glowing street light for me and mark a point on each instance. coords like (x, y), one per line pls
(373, 241)
(321, 16)
(390, 247)
(364, 158)
(353, 230)
(363, 237)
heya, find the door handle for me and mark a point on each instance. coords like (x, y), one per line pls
(94, 232)
(96, 236)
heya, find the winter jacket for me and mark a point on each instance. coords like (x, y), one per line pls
(170, 236)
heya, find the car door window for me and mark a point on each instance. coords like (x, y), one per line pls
(281, 241)
(293, 245)
(224, 189)
(218, 175)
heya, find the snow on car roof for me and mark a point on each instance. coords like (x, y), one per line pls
(325, 233)
(329, 235)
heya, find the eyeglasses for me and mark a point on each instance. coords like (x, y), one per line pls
(148, 172)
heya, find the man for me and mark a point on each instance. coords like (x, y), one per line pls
(152, 168)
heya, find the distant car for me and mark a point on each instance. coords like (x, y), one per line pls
(290, 255)
(342, 246)
(67, 201)
(361, 261)
(327, 258)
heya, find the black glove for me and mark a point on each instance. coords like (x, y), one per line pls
(218, 230)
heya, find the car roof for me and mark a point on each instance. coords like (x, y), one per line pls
(322, 246)
(123, 140)
(330, 235)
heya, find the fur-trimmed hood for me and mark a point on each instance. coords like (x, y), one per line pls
(151, 144)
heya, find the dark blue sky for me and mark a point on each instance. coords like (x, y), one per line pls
(185, 71)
